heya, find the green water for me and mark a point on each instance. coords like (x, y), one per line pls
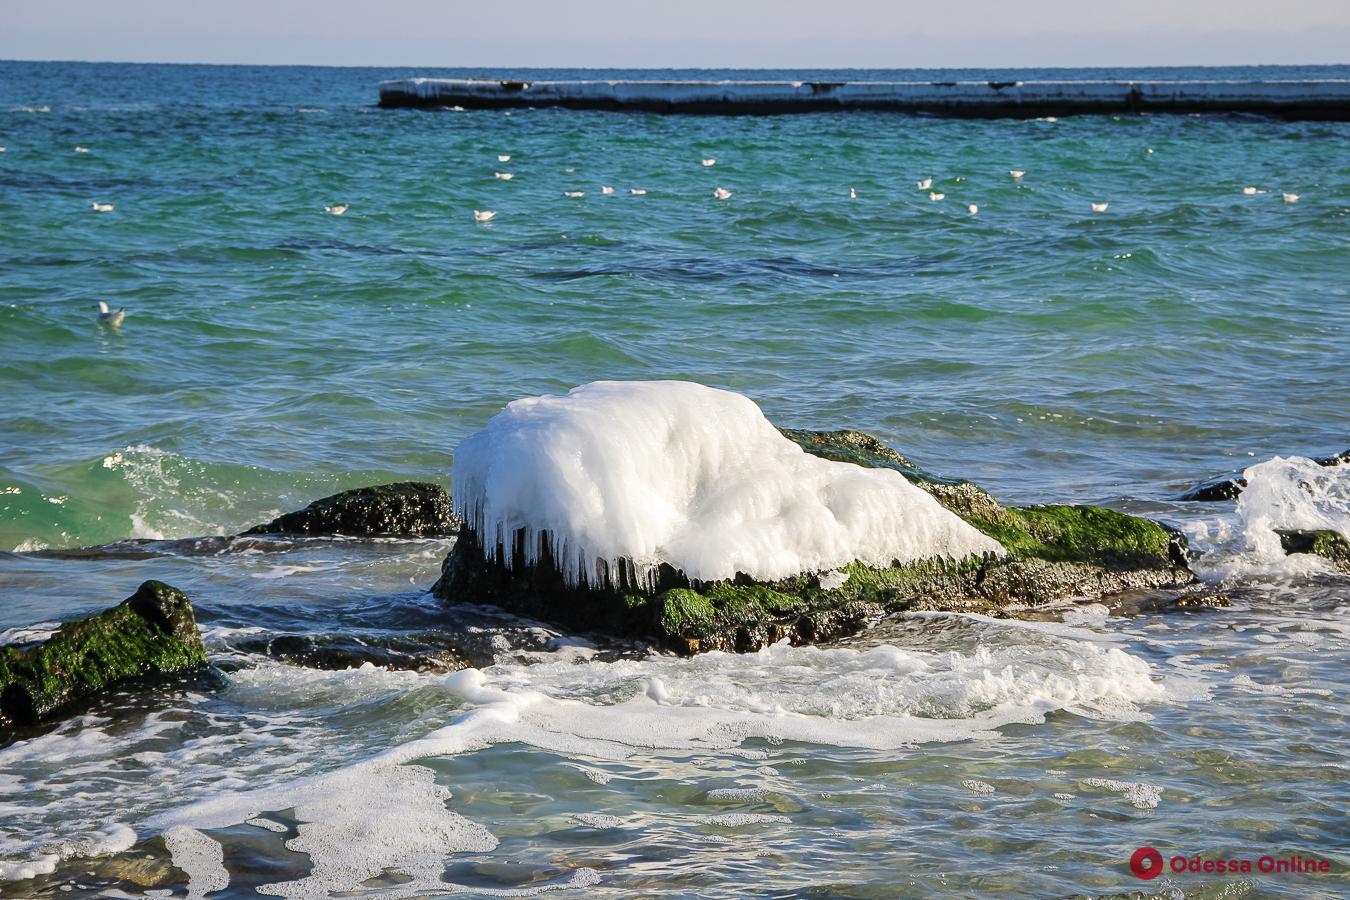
(272, 353)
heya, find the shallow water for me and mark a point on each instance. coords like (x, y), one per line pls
(272, 354)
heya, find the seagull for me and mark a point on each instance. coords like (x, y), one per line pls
(503, 176)
(925, 184)
(852, 194)
(574, 193)
(107, 317)
(337, 210)
(1290, 198)
(1100, 207)
(935, 196)
(1016, 173)
(973, 209)
(101, 207)
(483, 216)
(606, 189)
(1149, 151)
(709, 162)
(81, 149)
(637, 192)
(504, 158)
(2, 149)
(722, 194)
(1250, 190)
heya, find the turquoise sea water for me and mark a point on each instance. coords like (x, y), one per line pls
(272, 354)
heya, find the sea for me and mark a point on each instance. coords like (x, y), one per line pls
(273, 353)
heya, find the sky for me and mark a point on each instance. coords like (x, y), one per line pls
(682, 33)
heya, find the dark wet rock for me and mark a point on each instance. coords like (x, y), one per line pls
(1054, 553)
(1329, 544)
(407, 508)
(351, 651)
(1202, 599)
(152, 632)
(1228, 487)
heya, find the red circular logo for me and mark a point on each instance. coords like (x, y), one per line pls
(1146, 863)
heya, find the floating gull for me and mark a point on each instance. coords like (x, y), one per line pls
(1016, 173)
(337, 210)
(483, 216)
(1149, 151)
(935, 196)
(504, 176)
(504, 157)
(1100, 207)
(574, 193)
(107, 317)
(568, 171)
(101, 207)
(722, 193)
(637, 192)
(606, 189)
(709, 162)
(852, 194)
(1290, 198)
(2, 149)
(925, 184)
(81, 149)
(1251, 190)
(972, 209)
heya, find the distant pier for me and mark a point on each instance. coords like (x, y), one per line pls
(1312, 99)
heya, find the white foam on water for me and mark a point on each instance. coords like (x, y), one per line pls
(1283, 493)
(740, 820)
(632, 475)
(201, 857)
(39, 632)
(1140, 795)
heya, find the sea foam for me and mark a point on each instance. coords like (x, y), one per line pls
(627, 476)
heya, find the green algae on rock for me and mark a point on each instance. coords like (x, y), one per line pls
(405, 508)
(151, 632)
(1053, 553)
(1331, 545)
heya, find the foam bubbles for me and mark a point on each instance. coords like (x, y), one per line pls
(634, 475)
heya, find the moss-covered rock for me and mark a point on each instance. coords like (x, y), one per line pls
(406, 508)
(151, 632)
(1228, 487)
(1329, 544)
(1054, 552)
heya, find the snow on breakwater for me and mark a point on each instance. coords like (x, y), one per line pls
(1294, 99)
(635, 475)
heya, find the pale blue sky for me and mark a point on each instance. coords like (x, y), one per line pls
(716, 33)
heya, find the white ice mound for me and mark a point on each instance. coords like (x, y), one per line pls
(642, 473)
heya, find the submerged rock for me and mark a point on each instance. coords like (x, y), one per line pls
(350, 651)
(1228, 487)
(1328, 544)
(405, 508)
(1053, 553)
(151, 632)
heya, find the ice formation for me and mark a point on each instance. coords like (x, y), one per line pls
(635, 474)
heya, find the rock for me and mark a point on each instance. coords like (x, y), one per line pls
(151, 632)
(1329, 544)
(1054, 552)
(349, 651)
(1227, 487)
(1201, 599)
(406, 508)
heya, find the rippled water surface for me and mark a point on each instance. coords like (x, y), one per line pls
(272, 354)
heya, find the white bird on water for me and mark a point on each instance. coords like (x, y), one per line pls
(606, 189)
(722, 193)
(973, 209)
(101, 207)
(503, 176)
(1100, 207)
(1015, 174)
(107, 317)
(637, 192)
(574, 193)
(337, 210)
(709, 162)
(1290, 198)
(935, 196)
(483, 215)
(504, 157)
(925, 184)
(1249, 191)
(852, 194)
(81, 149)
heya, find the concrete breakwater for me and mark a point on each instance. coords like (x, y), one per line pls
(1303, 99)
